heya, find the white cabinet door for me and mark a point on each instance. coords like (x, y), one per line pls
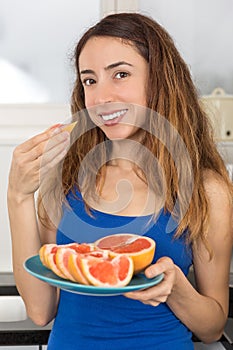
(5, 246)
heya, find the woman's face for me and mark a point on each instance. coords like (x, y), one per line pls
(114, 77)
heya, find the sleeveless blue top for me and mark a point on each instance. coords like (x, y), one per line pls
(116, 322)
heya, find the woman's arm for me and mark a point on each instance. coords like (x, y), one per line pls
(40, 299)
(203, 310)
(208, 306)
(24, 180)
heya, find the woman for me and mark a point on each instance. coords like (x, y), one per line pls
(138, 120)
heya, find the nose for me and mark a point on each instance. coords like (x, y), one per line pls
(103, 93)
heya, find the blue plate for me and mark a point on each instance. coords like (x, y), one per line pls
(34, 266)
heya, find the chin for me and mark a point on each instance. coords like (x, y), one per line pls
(119, 132)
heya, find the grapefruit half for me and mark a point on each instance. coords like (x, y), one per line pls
(140, 248)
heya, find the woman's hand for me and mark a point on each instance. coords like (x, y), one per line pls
(159, 293)
(34, 158)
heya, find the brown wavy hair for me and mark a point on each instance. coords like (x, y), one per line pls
(172, 94)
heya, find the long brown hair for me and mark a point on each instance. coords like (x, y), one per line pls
(172, 94)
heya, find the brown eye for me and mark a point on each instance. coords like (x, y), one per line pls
(121, 75)
(88, 82)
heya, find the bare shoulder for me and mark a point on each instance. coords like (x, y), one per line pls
(220, 205)
(216, 188)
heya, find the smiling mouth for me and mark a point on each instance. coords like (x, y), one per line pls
(114, 115)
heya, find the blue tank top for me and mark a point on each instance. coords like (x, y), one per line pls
(115, 322)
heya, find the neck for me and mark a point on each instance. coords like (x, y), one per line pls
(125, 153)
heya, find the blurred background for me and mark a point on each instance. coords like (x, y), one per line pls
(37, 39)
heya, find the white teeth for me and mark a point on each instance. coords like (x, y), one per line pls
(113, 115)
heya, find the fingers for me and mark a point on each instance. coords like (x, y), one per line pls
(41, 150)
(37, 140)
(149, 299)
(154, 295)
(38, 145)
(62, 137)
(163, 265)
(32, 159)
(52, 157)
(159, 293)
(54, 151)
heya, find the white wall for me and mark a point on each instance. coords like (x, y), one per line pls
(39, 37)
(203, 33)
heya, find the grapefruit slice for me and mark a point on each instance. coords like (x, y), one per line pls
(66, 127)
(140, 248)
(69, 127)
(83, 248)
(116, 272)
(61, 258)
(47, 255)
(74, 266)
(44, 252)
(51, 258)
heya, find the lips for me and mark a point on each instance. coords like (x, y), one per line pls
(112, 118)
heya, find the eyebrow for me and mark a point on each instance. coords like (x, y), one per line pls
(111, 66)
